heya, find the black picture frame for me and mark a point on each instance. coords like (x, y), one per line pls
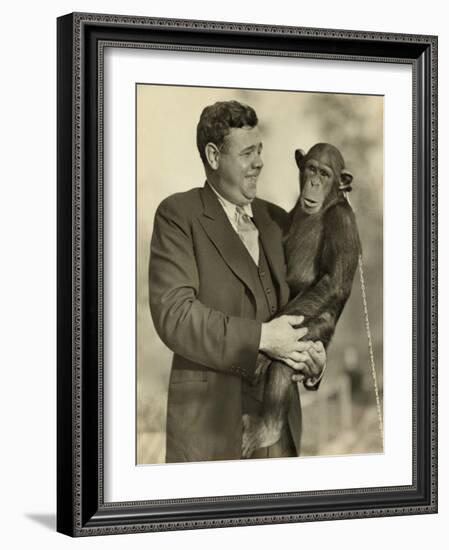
(81, 510)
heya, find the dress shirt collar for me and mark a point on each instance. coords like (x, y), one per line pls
(230, 208)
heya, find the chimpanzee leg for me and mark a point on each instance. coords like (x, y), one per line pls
(265, 430)
(277, 397)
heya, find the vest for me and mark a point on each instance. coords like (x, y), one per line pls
(263, 288)
(265, 294)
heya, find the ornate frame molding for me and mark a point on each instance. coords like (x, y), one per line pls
(81, 42)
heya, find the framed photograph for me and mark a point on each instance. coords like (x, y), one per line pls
(247, 274)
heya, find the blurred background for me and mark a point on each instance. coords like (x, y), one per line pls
(341, 418)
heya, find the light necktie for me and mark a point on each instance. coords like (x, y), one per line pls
(248, 233)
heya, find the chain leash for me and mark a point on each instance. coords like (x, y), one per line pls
(370, 347)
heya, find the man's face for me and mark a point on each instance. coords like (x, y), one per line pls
(240, 165)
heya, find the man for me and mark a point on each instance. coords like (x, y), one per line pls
(217, 277)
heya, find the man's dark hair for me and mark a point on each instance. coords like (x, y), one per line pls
(216, 121)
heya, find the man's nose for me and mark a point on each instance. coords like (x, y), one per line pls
(315, 181)
(258, 162)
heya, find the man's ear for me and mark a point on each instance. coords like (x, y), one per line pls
(213, 155)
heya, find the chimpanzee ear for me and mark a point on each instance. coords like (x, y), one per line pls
(299, 157)
(345, 181)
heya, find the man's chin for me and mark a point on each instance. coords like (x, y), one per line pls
(251, 191)
(250, 196)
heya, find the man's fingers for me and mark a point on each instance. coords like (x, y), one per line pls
(298, 357)
(298, 353)
(295, 365)
(294, 319)
(300, 374)
(315, 367)
(298, 377)
(319, 358)
(301, 367)
(318, 345)
(301, 332)
(302, 345)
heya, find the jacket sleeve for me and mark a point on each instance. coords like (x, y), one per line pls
(186, 325)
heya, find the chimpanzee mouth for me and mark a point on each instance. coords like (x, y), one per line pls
(310, 203)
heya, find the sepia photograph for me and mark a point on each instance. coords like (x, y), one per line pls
(259, 274)
(247, 274)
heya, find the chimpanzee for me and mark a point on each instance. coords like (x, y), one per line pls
(322, 248)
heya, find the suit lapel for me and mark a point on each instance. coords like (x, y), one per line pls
(271, 238)
(222, 234)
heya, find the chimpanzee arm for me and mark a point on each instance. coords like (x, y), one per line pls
(323, 302)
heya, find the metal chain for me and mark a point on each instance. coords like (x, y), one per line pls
(370, 347)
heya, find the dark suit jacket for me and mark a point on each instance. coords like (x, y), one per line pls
(203, 309)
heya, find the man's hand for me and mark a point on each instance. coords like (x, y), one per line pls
(279, 339)
(312, 365)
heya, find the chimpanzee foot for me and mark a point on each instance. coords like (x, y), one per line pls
(257, 434)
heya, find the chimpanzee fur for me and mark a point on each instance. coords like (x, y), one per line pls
(322, 251)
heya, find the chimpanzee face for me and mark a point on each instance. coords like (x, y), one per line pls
(317, 181)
